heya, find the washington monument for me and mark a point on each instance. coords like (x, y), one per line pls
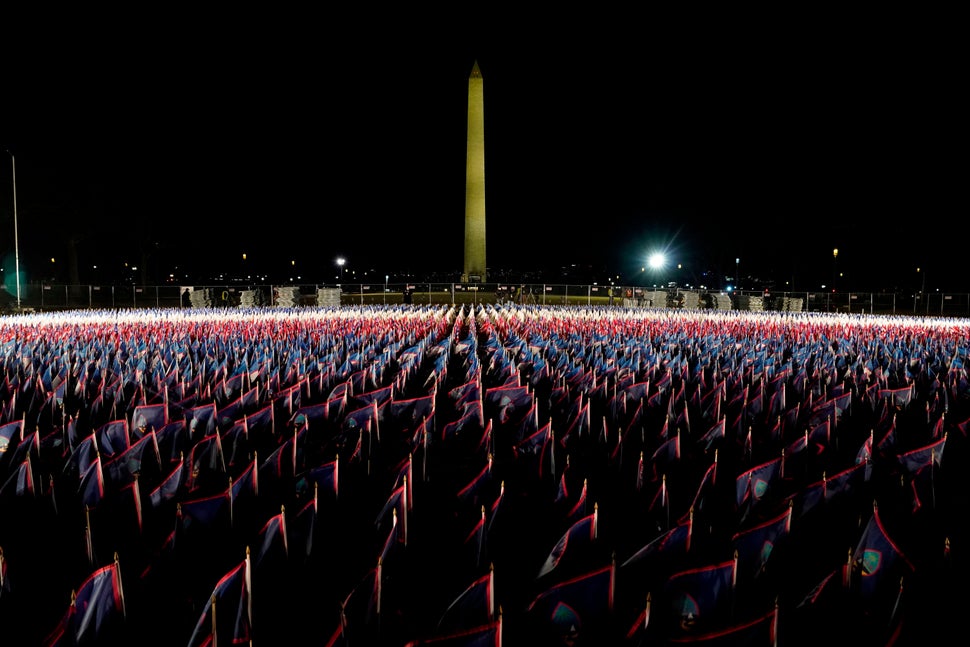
(474, 269)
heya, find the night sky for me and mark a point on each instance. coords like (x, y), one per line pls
(181, 144)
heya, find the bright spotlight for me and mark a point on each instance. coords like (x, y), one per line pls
(656, 261)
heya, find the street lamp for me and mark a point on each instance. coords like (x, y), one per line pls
(385, 288)
(16, 244)
(340, 263)
(656, 262)
(737, 275)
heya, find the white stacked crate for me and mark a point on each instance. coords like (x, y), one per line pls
(721, 301)
(287, 296)
(328, 297)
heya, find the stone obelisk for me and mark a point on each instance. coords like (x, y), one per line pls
(474, 269)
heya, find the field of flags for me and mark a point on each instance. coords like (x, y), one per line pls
(482, 475)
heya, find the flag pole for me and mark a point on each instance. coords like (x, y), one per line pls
(87, 534)
(491, 589)
(215, 636)
(121, 590)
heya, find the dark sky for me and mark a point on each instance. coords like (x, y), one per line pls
(190, 142)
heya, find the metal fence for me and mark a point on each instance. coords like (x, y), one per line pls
(54, 297)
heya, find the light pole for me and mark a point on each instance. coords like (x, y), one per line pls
(16, 243)
(835, 266)
(737, 276)
(385, 288)
(340, 263)
(656, 261)
(922, 291)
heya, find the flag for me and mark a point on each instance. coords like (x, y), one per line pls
(235, 443)
(113, 438)
(916, 459)
(201, 420)
(877, 560)
(244, 488)
(395, 506)
(900, 397)
(476, 492)
(471, 420)
(21, 480)
(173, 441)
(487, 635)
(5, 587)
(407, 413)
(206, 461)
(577, 424)
(578, 509)
(755, 546)
(538, 450)
(282, 462)
(666, 455)
(123, 467)
(99, 604)
(474, 607)
(705, 499)
(301, 530)
(753, 485)
(466, 392)
(312, 415)
(91, 488)
(229, 413)
(324, 475)
(575, 540)
(130, 511)
(206, 511)
(702, 597)
(362, 418)
(830, 589)
(715, 432)
(232, 598)
(507, 404)
(361, 609)
(476, 542)
(261, 423)
(62, 634)
(578, 608)
(847, 480)
(405, 476)
(761, 631)
(672, 543)
(170, 487)
(149, 417)
(10, 435)
(492, 528)
(271, 542)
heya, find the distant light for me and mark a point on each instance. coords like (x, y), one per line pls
(656, 261)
